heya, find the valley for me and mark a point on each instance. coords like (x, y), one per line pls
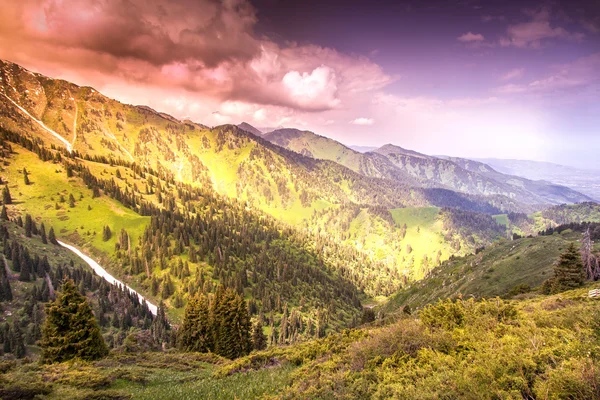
(213, 258)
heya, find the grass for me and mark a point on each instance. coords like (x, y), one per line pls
(493, 272)
(80, 225)
(423, 234)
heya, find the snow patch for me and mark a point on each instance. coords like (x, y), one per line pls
(105, 275)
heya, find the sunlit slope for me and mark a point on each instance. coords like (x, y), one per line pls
(494, 271)
(48, 198)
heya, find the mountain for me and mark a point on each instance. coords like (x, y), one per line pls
(363, 149)
(582, 180)
(249, 128)
(416, 169)
(552, 193)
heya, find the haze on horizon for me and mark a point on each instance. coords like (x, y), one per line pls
(515, 80)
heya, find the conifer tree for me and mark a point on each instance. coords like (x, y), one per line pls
(6, 198)
(26, 177)
(17, 342)
(5, 289)
(160, 325)
(25, 273)
(70, 329)
(43, 233)
(28, 225)
(259, 340)
(196, 332)
(4, 214)
(52, 236)
(569, 272)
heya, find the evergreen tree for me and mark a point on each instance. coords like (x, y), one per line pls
(106, 233)
(4, 214)
(259, 340)
(25, 273)
(70, 329)
(5, 290)
(6, 198)
(43, 233)
(52, 236)
(196, 332)
(26, 177)
(569, 272)
(28, 225)
(17, 342)
(160, 325)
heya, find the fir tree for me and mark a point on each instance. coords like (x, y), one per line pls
(28, 225)
(70, 329)
(160, 326)
(26, 177)
(52, 236)
(569, 272)
(43, 233)
(6, 198)
(5, 290)
(17, 342)
(25, 273)
(259, 340)
(106, 233)
(196, 333)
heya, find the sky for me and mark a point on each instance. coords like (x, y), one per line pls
(472, 78)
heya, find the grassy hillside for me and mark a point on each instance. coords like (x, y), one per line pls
(494, 271)
(543, 347)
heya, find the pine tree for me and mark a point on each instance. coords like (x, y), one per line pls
(5, 290)
(52, 236)
(4, 214)
(160, 326)
(25, 177)
(28, 225)
(196, 333)
(569, 272)
(70, 329)
(259, 340)
(17, 342)
(43, 233)
(25, 273)
(106, 233)
(6, 198)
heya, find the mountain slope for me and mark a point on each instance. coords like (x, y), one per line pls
(582, 180)
(249, 128)
(551, 193)
(477, 178)
(416, 169)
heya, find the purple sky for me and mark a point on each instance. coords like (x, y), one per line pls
(474, 78)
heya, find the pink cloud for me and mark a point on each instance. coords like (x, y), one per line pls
(470, 37)
(362, 121)
(579, 74)
(534, 33)
(199, 46)
(515, 73)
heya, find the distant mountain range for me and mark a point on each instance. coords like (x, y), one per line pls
(583, 180)
(413, 168)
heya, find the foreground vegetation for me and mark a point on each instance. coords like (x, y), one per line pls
(544, 347)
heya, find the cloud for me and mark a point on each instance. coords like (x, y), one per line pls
(515, 73)
(470, 37)
(536, 32)
(362, 121)
(204, 47)
(316, 89)
(577, 76)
